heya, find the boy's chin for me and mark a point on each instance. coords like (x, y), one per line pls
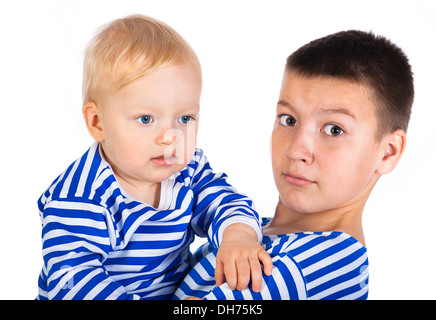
(300, 205)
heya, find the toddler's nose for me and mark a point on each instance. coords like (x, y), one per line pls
(169, 136)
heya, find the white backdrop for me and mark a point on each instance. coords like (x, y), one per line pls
(242, 46)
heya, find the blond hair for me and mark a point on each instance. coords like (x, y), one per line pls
(127, 49)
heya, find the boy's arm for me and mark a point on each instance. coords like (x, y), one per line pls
(75, 243)
(231, 224)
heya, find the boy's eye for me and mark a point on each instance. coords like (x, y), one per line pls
(185, 119)
(287, 120)
(333, 130)
(145, 119)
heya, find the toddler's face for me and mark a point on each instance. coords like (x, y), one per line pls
(324, 148)
(150, 125)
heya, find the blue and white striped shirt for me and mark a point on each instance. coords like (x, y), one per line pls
(306, 266)
(99, 243)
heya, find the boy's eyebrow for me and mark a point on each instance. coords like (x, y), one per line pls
(331, 110)
(284, 103)
(341, 111)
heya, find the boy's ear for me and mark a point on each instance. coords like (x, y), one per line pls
(394, 144)
(93, 122)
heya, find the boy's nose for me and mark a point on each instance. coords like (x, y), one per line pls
(300, 147)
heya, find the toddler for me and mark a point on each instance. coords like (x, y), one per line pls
(117, 224)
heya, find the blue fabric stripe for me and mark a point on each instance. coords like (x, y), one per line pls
(76, 177)
(92, 175)
(60, 184)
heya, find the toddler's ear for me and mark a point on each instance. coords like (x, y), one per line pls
(394, 144)
(92, 119)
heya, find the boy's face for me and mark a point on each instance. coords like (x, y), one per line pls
(149, 127)
(324, 148)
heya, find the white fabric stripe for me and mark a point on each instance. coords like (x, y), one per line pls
(338, 287)
(73, 205)
(297, 277)
(157, 236)
(330, 259)
(83, 177)
(67, 182)
(81, 222)
(343, 270)
(70, 247)
(73, 291)
(314, 250)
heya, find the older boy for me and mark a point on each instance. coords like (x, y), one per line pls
(342, 115)
(117, 224)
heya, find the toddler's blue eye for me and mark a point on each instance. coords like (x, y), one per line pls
(185, 119)
(145, 119)
(287, 120)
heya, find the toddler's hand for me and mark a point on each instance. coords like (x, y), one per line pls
(239, 256)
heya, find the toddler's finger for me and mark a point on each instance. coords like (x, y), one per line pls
(243, 269)
(256, 274)
(219, 273)
(266, 260)
(230, 274)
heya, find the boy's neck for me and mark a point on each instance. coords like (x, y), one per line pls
(347, 219)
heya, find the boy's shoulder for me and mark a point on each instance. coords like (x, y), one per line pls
(332, 265)
(320, 244)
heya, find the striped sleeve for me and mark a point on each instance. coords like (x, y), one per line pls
(285, 283)
(217, 204)
(75, 244)
(312, 266)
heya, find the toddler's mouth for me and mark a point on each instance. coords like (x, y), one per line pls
(164, 160)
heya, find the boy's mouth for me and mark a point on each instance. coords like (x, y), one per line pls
(296, 179)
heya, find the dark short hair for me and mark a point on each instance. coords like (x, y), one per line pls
(367, 59)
